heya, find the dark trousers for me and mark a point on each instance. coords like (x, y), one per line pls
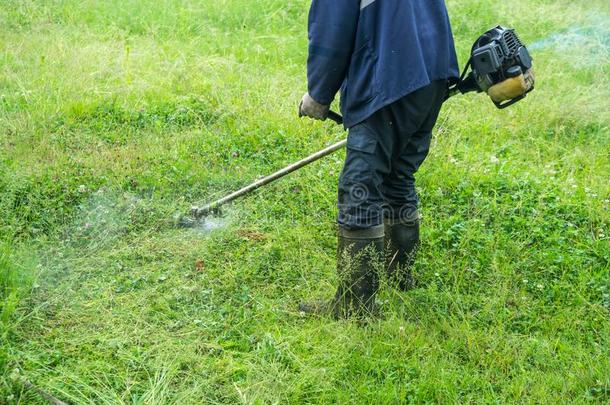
(383, 154)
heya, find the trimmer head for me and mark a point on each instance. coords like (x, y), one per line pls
(197, 217)
(206, 211)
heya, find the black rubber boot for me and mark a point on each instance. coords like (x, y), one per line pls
(358, 256)
(402, 241)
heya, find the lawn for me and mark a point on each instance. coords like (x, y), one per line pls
(117, 115)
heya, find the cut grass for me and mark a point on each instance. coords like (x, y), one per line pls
(116, 115)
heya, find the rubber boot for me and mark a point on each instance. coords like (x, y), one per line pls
(358, 255)
(402, 241)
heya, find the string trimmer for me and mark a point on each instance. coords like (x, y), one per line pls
(499, 65)
(213, 208)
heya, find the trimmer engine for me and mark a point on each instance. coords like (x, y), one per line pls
(501, 66)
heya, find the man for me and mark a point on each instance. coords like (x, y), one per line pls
(392, 61)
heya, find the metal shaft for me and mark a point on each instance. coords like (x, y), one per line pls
(199, 212)
(205, 210)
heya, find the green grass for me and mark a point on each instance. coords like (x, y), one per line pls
(16, 280)
(116, 115)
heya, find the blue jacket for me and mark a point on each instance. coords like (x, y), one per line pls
(376, 52)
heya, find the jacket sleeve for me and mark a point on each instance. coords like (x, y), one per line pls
(332, 32)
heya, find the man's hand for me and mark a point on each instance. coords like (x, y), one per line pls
(312, 109)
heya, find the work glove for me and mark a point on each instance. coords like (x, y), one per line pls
(312, 109)
(512, 88)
